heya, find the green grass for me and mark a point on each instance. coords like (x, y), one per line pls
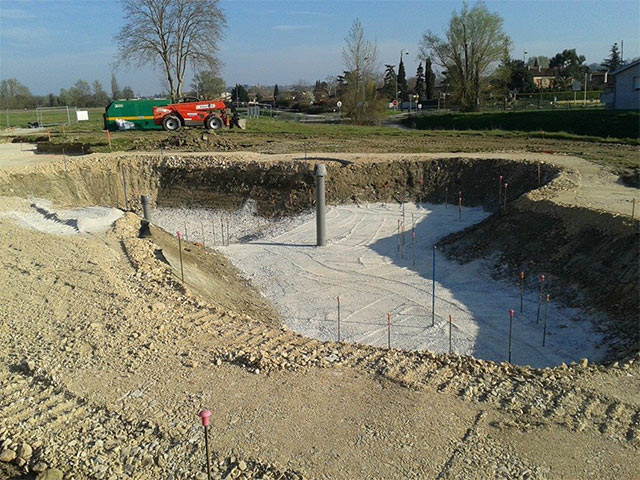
(20, 118)
(600, 124)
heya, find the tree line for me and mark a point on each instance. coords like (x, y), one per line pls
(15, 95)
(470, 62)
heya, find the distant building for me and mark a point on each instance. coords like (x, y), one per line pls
(599, 80)
(625, 93)
(542, 77)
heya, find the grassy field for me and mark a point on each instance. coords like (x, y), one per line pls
(266, 135)
(20, 118)
(594, 123)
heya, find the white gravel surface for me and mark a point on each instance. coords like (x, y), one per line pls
(40, 215)
(364, 266)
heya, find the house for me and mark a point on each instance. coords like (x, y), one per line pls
(542, 77)
(625, 93)
(598, 80)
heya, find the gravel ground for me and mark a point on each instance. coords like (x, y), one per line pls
(39, 214)
(367, 266)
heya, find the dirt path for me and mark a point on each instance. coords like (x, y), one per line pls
(20, 154)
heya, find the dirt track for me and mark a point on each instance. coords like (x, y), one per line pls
(98, 337)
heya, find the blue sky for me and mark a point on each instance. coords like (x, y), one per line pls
(49, 44)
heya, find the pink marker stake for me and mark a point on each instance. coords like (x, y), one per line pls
(499, 190)
(204, 416)
(511, 312)
(540, 298)
(505, 195)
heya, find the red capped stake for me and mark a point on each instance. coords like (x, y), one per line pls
(204, 416)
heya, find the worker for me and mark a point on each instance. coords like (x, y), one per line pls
(235, 119)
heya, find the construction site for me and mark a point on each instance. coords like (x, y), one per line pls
(471, 315)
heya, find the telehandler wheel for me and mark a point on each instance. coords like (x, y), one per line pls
(213, 122)
(171, 123)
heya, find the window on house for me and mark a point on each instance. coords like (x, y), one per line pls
(636, 83)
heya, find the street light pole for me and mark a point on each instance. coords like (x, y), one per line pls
(398, 72)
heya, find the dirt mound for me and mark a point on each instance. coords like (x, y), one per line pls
(187, 140)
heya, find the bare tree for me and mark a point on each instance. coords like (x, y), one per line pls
(171, 33)
(473, 43)
(359, 94)
(359, 54)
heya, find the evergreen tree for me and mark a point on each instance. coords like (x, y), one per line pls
(239, 94)
(276, 92)
(429, 79)
(403, 88)
(420, 82)
(568, 66)
(115, 90)
(614, 61)
(389, 85)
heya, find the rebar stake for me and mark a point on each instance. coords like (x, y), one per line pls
(450, 327)
(499, 191)
(204, 416)
(124, 187)
(433, 286)
(389, 331)
(546, 312)
(521, 290)
(540, 298)
(180, 251)
(338, 318)
(511, 312)
(505, 196)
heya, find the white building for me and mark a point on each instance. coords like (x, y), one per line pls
(625, 94)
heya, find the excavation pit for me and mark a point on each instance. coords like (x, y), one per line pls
(590, 256)
(375, 271)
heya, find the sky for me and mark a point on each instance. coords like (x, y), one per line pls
(50, 44)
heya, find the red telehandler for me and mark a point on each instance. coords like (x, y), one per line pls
(189, 111)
